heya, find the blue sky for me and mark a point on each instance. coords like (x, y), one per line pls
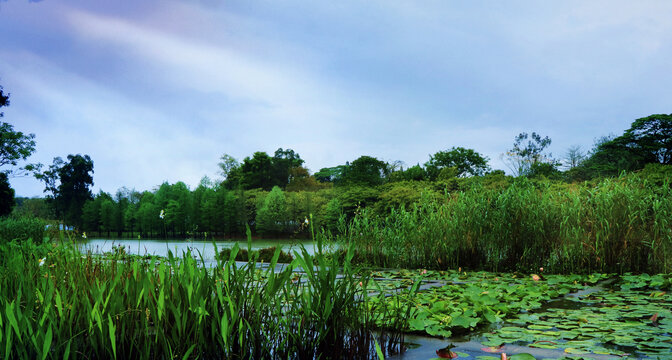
(158, 90)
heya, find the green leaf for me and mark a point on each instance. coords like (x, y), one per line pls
(186, 355)
(113, 339)
(9, 310)
(47, 343)
(379, 351)
(66, 353)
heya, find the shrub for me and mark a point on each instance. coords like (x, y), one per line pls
(22, 229)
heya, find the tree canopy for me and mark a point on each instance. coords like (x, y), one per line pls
(527, 153)
(14, 145)
(69, 184)
(365, 170)
(466, 162)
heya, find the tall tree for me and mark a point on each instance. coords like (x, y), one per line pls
(6, 196)
(227, 165)
(574, 157)
(365, 171)
(527, 151)
(647, 141)
(257, 171)
(466, 162)
(283, 161)
(14, 145)
(651, 136)
(69, 184)
(272, 216)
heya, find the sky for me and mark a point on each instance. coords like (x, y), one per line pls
(158, 90)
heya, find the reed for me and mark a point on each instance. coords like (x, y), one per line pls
(56, 302)
(616, 225)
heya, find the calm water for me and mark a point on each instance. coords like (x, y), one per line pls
(206, 248)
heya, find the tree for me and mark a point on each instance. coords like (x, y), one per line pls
(271, 217)
(365, 171)
(257, 171)
(6, 196)
(521, 158)
(647, 141)
(227, 164)
(69, 185)
(574, 157)
(301, 180)
(332, 174)
(415, 173)
(651, 137)
(283, 161)
(14, 145)
(466, 162)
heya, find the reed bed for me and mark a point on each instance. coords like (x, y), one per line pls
(616, 225)
(56, 302)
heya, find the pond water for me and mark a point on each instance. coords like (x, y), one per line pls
(205, 248)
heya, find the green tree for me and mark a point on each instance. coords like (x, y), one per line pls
(32, 207)
(6, 196)
(332, 174)
(14, 145)
(148, 215)
(332, 213)
(467, 162)
(272, 216)
(257, 172)
(415, 173)
(283, 161)
(301, 180)
(647, 141)
(365, 171)
(108, 215)
(69, 183)
(527, 151)
(651, 137)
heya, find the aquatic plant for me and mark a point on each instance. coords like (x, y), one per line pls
(56, 302)
(616, 225)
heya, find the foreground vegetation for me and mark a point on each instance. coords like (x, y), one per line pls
(58, 303)
(614, 225)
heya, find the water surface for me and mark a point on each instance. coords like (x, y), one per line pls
(205, 248)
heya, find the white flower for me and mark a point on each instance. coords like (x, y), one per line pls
(162, 214)
(306, 221)
(84, 235)
(42, 261)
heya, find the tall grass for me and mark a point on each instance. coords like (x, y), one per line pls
(22, 228)
(58, 303)
(616, 225)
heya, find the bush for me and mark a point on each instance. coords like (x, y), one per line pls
(22, 229)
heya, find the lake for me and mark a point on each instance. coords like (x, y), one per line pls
(206, 248)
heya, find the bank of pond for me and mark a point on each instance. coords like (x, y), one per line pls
(57, 301)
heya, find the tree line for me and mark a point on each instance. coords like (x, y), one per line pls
(274, 195)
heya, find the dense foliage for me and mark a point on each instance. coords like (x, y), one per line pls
(613, 225)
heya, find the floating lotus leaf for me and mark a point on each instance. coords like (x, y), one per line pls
(540, 327)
